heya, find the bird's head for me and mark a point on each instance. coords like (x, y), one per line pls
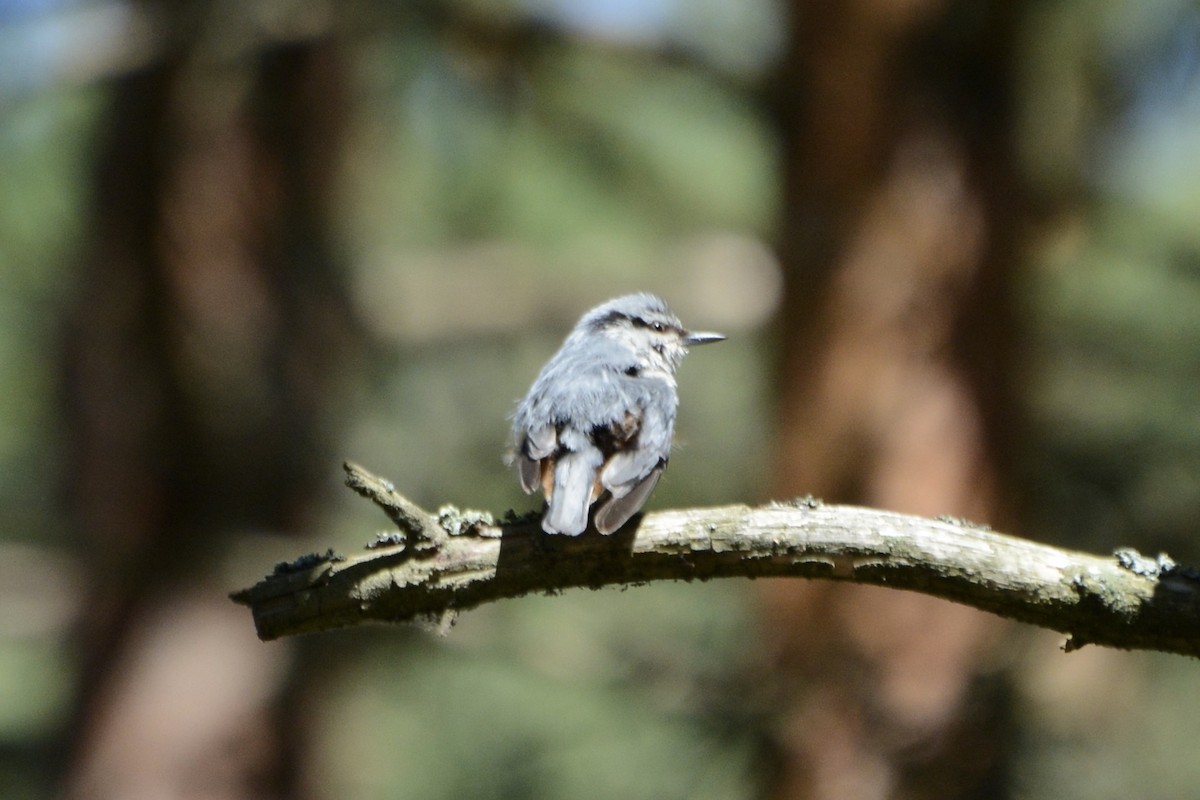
(645, 324)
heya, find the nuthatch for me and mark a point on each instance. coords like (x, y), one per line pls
(597, 423)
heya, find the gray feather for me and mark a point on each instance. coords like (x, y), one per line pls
(540, 442)
(530, 472)
(535, 445)
(574, 477)
(627, 467)
(617, 511)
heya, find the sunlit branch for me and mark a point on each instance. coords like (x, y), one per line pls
(438, 565)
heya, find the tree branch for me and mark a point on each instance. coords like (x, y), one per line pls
(457, 560)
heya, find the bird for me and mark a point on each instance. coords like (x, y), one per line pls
(596, 426)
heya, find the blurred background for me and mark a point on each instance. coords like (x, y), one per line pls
(955, 245)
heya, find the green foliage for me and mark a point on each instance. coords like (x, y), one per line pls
(42, 202)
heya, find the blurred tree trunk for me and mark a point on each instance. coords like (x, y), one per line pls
(901, 223)
(200, 363)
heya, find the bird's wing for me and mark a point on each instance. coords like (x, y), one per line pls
(642, 441)
(617, 510)
(530, 472)
(536, 445)
(632, 472)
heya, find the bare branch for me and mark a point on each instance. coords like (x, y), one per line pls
(1124, 600)
(418, 528)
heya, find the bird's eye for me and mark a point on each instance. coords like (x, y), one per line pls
(658, 326)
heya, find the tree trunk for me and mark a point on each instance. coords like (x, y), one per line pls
(899, 226)
(198, 364)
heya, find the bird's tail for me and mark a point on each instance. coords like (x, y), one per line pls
(574, 480)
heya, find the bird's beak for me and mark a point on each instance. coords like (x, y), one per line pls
(690, 339)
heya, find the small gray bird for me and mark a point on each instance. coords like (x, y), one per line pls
(597, 423)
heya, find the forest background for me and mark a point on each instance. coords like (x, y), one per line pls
(955, 246)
